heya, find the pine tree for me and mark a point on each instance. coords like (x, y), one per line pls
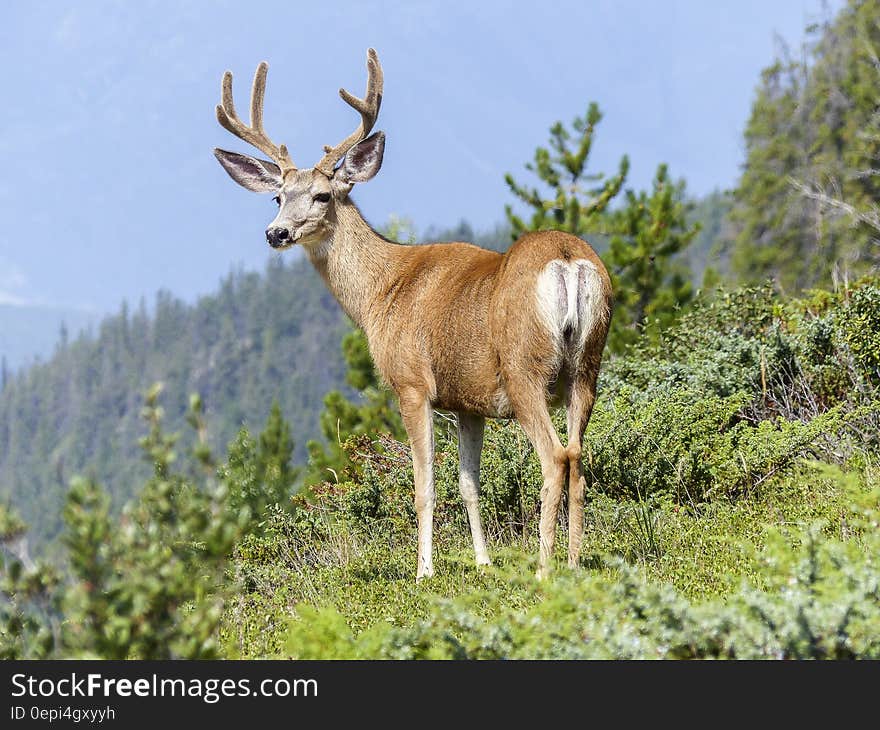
(150, 584)
(259, 472)
(275, 458)
(650, 284)
(809, 140)
(574, 205)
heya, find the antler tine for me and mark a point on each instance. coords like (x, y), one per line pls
(368, 107)
(254, 134)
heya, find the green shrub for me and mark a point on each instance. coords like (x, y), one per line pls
(674, 442)
(793, 358)
(861, 331)
(689, 446)
(821, 601)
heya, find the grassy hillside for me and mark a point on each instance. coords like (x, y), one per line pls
(734, 499)
(726, 579)
(732, 512)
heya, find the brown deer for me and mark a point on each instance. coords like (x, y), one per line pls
(450, 326)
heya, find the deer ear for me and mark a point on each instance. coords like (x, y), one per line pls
(258, 176)
(363, 161)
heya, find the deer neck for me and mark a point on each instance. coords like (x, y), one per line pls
(355, 262)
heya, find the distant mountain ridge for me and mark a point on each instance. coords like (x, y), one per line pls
(274, 335)
(30, 332)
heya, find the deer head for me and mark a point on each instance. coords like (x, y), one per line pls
(306, 198)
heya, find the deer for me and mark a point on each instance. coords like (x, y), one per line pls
(450, 326)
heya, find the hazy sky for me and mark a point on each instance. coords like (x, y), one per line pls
(109, 190)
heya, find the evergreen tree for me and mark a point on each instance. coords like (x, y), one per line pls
(259, 473)
(645, 234)
(650, 284)
(239, 473)
(577, 199)
(275, 458)
(149, 585)
(809, 140)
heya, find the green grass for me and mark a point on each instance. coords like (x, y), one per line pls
(704, 552)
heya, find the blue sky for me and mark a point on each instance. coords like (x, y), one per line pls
(109, 190)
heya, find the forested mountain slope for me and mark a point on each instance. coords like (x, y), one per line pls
(261, 337)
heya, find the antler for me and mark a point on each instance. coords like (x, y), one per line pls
(254, 134)
(369, 111)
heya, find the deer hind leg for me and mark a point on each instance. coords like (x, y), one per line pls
(530, 407)
(417, 415)
(581, 396)
(470, 444)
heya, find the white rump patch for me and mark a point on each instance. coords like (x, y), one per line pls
(569, 298)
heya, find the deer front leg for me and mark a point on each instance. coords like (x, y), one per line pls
(470, 444)
(418, 420)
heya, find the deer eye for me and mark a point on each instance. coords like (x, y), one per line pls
(277, 200)
(322, 198)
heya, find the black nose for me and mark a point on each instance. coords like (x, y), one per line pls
(277, 236)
